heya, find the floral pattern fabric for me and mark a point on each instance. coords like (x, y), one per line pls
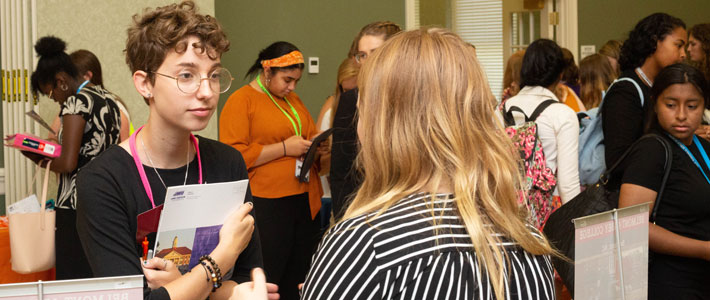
(98, 108)
(540, 180)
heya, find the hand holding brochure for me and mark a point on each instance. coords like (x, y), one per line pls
(192, 217)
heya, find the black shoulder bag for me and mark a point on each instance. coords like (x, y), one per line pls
(559, 228)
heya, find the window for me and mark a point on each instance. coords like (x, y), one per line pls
(480, 22)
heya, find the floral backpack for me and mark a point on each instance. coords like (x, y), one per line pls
(540, 181)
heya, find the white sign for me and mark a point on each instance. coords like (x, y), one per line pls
(601, 241)
(587, 50)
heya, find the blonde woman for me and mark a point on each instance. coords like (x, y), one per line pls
(431, 214)
(595, 76)
(611, 51)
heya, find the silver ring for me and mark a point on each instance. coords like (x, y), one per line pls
(166, 263)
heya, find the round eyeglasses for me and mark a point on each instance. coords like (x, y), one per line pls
(189, 81)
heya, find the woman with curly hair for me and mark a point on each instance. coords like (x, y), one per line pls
(655, 42)
(175, 56)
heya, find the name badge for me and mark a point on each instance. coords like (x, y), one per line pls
(299, 166)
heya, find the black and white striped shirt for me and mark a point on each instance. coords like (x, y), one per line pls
(400, 254)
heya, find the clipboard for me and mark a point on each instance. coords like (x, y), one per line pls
(311, 154)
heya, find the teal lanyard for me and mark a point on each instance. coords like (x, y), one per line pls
(298, 130)
(81, 86)
(700, 149)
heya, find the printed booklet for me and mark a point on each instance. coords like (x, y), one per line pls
(192, 217)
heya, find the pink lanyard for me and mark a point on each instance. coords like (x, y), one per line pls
(141, 171)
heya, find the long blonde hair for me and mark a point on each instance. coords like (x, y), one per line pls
(426, 120)
(347, 69)
(595, 76)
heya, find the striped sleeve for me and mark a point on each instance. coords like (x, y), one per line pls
(344, 265)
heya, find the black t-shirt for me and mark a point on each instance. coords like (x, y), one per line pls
(684, 208)
(623, 116)
(344, 179)
(112, 195)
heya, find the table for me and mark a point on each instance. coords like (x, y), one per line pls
(6, 273)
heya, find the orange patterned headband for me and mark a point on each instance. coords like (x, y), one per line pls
(295, 57)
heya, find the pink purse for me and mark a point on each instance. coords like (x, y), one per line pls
(32, 235)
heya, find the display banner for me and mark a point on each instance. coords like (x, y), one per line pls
(107, 288)
(601, 242)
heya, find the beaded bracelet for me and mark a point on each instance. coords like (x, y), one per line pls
(207, 270)
(216, 274)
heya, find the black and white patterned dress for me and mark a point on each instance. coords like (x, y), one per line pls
(401, 254)
(98, 108)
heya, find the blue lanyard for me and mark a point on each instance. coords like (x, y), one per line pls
(82, 86)
(700, 149)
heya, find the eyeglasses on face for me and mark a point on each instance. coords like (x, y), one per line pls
(189, 81)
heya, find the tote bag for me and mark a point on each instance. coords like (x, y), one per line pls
(32, 235)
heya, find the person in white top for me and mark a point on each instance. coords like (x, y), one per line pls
(558, 127)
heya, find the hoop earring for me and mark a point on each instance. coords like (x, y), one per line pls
(64, 87)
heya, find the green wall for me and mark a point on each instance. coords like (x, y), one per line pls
(435, 13)
(322, 28)
(602, 20)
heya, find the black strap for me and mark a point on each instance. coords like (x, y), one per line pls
(666, 167)
(540, 108)
(669, 161)
(510, 120)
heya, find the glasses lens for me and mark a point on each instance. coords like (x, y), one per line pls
(221, 80)
(188, 82)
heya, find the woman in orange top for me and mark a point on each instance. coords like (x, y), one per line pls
(267, 122)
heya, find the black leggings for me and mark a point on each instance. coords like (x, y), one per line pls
(288, 238)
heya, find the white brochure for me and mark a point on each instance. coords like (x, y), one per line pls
(192, 217)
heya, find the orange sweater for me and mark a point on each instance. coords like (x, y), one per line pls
(248, 122)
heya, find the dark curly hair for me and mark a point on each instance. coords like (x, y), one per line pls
(701, 32)
(155, 32)
(542, 64)
(644, 38)
(52, 60)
